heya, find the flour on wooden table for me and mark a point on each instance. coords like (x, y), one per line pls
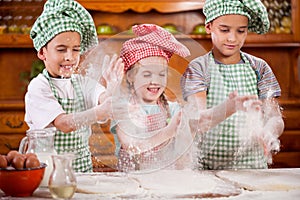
(102, 184)
(264, 180)
(177, 182)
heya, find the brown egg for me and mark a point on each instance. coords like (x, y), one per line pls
(18, 161)
(32, 162)
(3, 161)
(10, 155)
(30, 154)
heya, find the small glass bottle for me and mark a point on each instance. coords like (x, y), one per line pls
(62, 181)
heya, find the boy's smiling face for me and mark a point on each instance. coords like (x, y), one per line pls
(228, 34)
(61, 55)
(149, 79)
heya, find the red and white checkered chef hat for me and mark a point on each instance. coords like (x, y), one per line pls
(151, 40)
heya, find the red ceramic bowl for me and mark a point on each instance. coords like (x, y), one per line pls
(21, 183)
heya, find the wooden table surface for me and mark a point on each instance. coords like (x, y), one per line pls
(270, 176)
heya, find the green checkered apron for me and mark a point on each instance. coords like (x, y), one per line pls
(76, 141)
(222, 147)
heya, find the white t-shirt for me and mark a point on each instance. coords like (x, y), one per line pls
(41, 106)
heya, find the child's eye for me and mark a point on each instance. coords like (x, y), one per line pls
(76, 49)
(147, 75)
(224, 30)
(61, 50)
(162, 74)
(241, 31)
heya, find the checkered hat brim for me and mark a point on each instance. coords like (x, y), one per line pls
(60, 16)
(151, 40)
(253, 9)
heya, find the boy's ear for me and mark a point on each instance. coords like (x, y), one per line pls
(40, 54)
(208, 28)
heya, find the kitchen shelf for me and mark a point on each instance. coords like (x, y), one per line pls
(253, 40)
(15, 41)
(142, 6)
(184, 14)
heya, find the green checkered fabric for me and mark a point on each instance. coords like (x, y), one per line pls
(253, 9)
(60, 16)
(76, 142)
(222, 147)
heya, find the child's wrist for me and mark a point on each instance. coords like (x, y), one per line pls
(229, 107)
(103, 115)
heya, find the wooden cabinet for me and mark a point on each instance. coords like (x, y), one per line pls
(12, 126)
(281, 51)
(103, 148)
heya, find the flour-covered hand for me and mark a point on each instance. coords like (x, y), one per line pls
(243, 103)
(113, 75)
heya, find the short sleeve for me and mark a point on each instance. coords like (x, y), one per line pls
(267, 84)
(41, 107)
(196, 77)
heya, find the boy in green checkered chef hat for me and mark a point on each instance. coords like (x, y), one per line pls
(254, 10)
(58, 97)
(61, 16)
(240, 141)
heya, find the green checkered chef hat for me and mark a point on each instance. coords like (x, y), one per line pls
(64, 15)
(253, 9)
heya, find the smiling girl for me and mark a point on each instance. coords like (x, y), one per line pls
(144, 136)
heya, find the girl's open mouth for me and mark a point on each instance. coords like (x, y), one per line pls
(153, 90)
